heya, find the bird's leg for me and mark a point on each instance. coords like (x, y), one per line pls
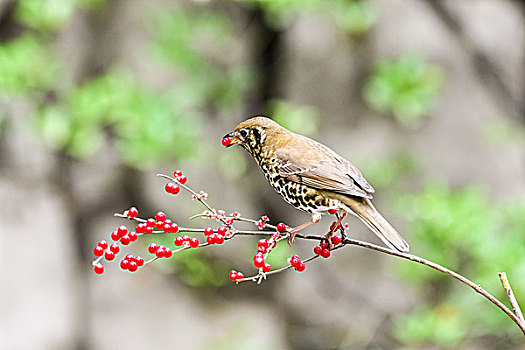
(343, 214)
(334, 226)
(316, 217)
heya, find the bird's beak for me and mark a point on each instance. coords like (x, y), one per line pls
(230, 140)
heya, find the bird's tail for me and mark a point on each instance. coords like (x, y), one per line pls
(365, 210)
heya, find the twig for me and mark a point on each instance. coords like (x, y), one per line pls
(519, 322)
(515, 306)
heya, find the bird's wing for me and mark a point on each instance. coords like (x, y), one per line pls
(318, 166)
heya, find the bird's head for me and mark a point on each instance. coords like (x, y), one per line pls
(252, 133)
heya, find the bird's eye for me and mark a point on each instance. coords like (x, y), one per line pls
(243, 133)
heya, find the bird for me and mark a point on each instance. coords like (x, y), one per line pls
(310, 176)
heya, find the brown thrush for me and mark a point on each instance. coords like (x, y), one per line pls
(312, 177)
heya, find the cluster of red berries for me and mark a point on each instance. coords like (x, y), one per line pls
(218, 237)
(131, 263)
(258, 262)
(234, 275)
(297, 264)
(109, 252)
(121, 234)
(264, 246)
(160, 251)
(180, 177)
(159, 222)
(173, 188)
(323, 249)
(187, 241)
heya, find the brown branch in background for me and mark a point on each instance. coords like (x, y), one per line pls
(506, 285)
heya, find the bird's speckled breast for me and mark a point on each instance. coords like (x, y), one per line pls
(299, 195)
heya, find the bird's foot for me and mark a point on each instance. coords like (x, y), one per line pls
(291, 236)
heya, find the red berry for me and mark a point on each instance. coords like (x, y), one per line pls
(222, 230)
(233, 275)
(226, 141)
(211, 239)
(115, 236)
(174, 228)
(151, 222)
(182, 179)
(185, 238)
(129, 257)
(160, 216)
(139, 260)
(140, 228)
(167, 253)
(98, 251)
(166, 227)
(295, 261)
(172, 188)
(332, 211)
(159, 253)
(160, 225)
(132, 266)
(318, 250)
(125, 240)
(262, 243)
(301, 267)
(153, 248)
(149, 230)
(325, 253)
(258, 262)
(281, 227)
(194, 242)
(177, 173)
(124, 264)
(219, 239)
(262, 249)
(109, 255)
(178, 241)
(324, 245)
(122, 230)
(132, 236)
(208, 231)
(240, 275)
(266, 267)
(114, 248)
(336, 240)
(103, 244)
(99, 269)
(133, 212)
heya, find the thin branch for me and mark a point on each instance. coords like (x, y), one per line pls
(516, 316)
(515, 306)
(443, 269)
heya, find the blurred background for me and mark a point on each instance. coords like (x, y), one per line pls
(98, 96)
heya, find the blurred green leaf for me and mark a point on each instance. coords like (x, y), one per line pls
(407, 88)
(467, 231)
(44, 15)
(26, 66)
